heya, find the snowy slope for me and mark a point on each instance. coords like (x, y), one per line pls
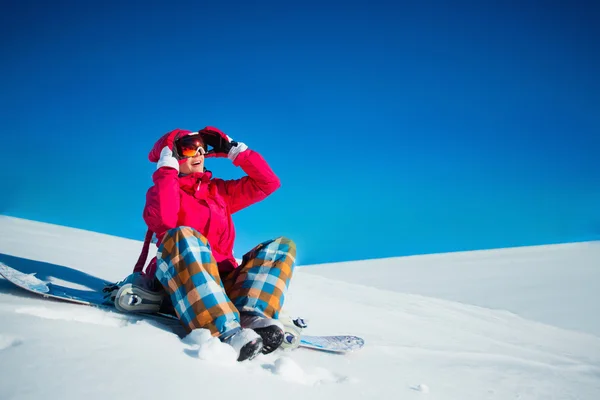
(558, 285)
(455, 326)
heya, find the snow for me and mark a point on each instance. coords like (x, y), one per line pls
(422, 388)
(557, 285)
(205, 347)
(519, 323)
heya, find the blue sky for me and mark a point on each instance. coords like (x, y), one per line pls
(396, 129)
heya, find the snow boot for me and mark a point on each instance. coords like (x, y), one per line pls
(136, 293)
(247, 343)
(270, 330)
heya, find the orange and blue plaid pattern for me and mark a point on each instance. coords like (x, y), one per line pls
(201, 299)
(189, 273)
(259, 285)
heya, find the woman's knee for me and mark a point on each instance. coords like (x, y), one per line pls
(284, 241)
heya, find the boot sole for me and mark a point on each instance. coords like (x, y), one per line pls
(251, 349)
(272, 337)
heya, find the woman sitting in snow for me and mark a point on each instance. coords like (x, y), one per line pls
(189, 211)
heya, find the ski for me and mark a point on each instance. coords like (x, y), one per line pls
(339, 344)
(332, 344)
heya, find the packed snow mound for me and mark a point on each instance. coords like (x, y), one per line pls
(418, 342)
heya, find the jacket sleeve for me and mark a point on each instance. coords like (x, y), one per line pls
(162, 201)
(259, 183)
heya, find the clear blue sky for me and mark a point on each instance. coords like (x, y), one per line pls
(396, 128)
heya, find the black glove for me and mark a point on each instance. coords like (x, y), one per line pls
(221, 143)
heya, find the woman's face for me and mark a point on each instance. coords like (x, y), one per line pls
(192, 164)
(192, 149)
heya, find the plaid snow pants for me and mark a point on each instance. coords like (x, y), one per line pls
(202, 298)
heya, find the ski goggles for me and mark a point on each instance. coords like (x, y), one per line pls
(189, 146)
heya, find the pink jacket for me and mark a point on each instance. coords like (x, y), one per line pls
(206, 204)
